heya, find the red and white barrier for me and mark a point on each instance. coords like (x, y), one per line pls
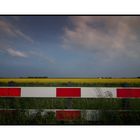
(70, 92)
(63, 114)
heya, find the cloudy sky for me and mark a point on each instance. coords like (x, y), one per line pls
(70, 46)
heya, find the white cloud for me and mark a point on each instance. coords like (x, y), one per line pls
(16, 53)
(12, 31)
(112, 42)
(7, 28)
(102, 33)
(24, 36)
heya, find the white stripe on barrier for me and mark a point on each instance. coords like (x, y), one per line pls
(98, 92)
(38, 92)
(89, 115)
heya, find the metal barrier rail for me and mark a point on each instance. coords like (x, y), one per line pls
(70, 92)
(73, 114)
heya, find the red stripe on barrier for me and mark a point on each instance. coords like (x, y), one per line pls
(68, 92)
(128, 93)
(10, 92)
(68, 115)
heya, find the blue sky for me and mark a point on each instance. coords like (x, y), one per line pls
(70, 46)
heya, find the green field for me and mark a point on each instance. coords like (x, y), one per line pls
(71, 81)
(63, 103)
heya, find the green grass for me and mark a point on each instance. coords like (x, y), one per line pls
(112, 111)
(95, 82)
(79, 103)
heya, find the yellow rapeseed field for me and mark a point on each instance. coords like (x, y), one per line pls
(72, 80)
